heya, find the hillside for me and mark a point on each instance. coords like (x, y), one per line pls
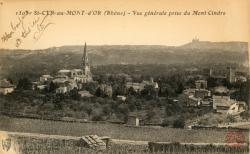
(224, 46)
(14, 61)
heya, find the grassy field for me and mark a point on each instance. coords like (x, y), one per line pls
(113, 130)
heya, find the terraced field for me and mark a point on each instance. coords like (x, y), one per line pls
(113, 130)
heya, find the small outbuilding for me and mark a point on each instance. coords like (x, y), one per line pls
(85, 93)
(133, 121)
(121, 98)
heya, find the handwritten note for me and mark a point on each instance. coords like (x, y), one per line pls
(26, 26)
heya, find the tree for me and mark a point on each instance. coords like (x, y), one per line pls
(243, 93)
(98, 92)
(230, 118)
(91, 87)
(107, 109)
(179, 123)
(167, 90)
(148, 91)
(180, 88)
(24, 83)
(131, 91)
(88, 108)
(211, 82)
(58, 101)
(52, 87)
(74, 94)
(150, 114)
(131, 103)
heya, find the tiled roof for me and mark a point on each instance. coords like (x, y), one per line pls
(5, 84)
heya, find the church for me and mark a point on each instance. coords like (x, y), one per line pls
(74, 78)
(83, 75)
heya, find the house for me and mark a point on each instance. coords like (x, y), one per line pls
(193, 101)
(106, 90)
(64, 72)
(223, 104)
(207, 102)
(121, 98)
(241, 78)
(202, 93)
(65, 86)
(60, 79)
(46, 78)
(189, 91)
(41, 87)
(221, 90)
(6, 87)
(34, 85)
(201, 84)
(138, 87)
(151, 82)
(71, 84)
(85, 93)
(133, 121)
(197, 97)
(198, 102)
(62, 90)
(192, 70)
(222, 73)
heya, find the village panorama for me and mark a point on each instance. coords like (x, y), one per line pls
(145, 97)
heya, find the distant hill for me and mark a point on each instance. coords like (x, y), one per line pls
(196, 52)
(224, 46)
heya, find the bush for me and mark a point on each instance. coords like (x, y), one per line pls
(230, 118)
(24, 84)
(179, 123)
(166, 123)
(97, 118)
(245, 115)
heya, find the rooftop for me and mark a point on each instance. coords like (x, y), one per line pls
(77, 70)
(64, 71)
(5, 84)
(47, 76)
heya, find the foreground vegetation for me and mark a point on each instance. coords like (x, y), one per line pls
(127, 150)
(44, 144)
(118, 131)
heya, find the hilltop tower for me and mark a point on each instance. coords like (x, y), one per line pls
(85, 63)
(195, 40)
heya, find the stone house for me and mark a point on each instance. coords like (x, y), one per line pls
(6, 87)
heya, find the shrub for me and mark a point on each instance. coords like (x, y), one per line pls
(179, 123)
(166, 123)
(230, 118)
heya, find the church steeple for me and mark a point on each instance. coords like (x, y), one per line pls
(86, 67)
(85, 56)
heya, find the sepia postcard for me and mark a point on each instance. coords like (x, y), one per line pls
(124, 77)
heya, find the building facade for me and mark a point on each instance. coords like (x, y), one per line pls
(6, 87)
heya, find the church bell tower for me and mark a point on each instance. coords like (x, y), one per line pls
(85, 63)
